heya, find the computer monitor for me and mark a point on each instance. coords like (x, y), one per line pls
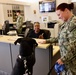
(47, 6)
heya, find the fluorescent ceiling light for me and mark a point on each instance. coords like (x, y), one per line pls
(21, 0)
(73, 0)
(30, 1)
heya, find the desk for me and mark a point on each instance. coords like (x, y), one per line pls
(55, 50)
(0, 29)
(43, 59)
(43, 55)
(6, 43)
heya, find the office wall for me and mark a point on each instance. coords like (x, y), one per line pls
(29, 12)
(14, 2)
(1, 14)
(3, 3)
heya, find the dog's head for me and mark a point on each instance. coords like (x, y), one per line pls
(26, 45)
(30, 41)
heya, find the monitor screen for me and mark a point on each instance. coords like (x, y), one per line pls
(47, 6)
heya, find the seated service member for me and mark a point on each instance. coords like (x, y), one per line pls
(37, 32)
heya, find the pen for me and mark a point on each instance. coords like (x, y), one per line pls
(42, 34)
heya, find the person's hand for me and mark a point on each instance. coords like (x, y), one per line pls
(14, 26)
(42, 41)
(41, 36)
(59, 61)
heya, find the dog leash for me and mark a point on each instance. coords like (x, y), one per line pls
(58, 68)
(51, 70)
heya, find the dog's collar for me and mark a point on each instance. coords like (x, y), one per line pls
(21, 57)
(24, 58)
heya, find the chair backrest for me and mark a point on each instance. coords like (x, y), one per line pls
(47, 32)
(6, 27)
(26, 32)
(28, 24)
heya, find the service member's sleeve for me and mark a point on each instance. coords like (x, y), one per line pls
(52, 40)
(71, 45)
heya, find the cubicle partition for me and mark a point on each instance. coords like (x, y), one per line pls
(43, 61)
(5, 57)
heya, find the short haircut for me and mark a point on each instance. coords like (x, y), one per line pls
(37, 23)
(18, 11)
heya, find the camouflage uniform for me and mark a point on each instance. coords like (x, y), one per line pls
(67, 44)
(19, 24)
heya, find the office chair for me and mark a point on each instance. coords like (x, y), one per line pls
(28, 24)
(22, 32)
(26, 27)
(6, 27)
(47, 32)
(26, 32)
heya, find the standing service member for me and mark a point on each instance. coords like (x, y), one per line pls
(66, 38)
(19, 22)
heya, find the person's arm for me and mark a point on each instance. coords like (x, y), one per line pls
(71, 45)
(52, 40)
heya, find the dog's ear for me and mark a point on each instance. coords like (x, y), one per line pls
(35, 43)
(18, 41)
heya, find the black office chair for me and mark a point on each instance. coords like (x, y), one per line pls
(28, 24)
(6, 27)
(22, 32)
(47, 32)
(26, 27)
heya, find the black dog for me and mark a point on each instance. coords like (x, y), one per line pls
(26, 53)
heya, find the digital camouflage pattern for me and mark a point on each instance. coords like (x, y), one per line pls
(19, 23)
(67, 44)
